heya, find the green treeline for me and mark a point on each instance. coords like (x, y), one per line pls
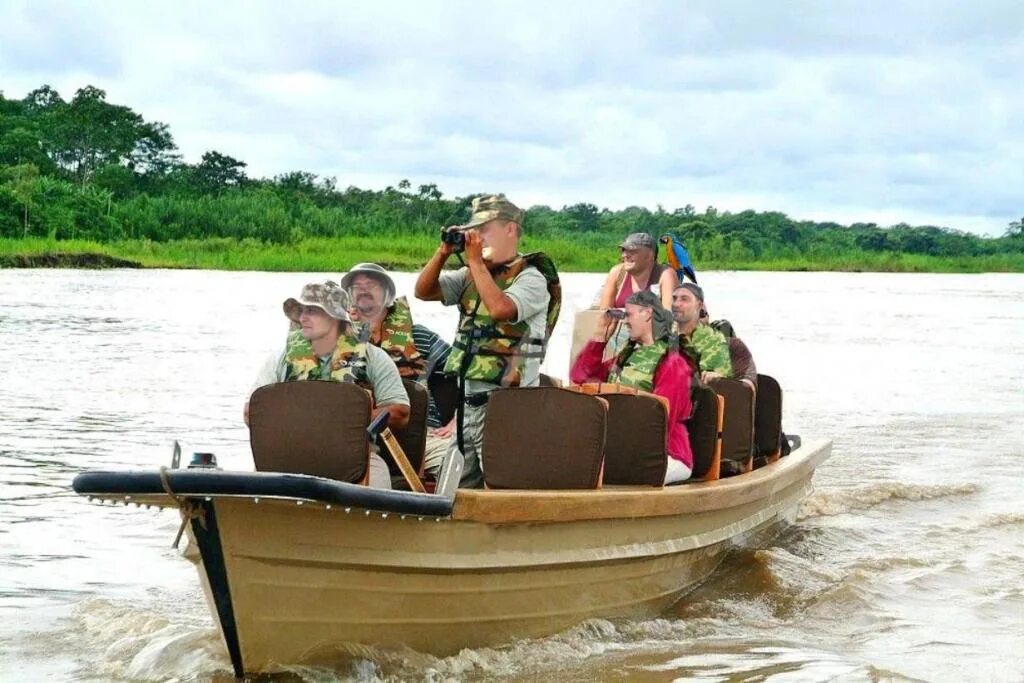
(89, 170)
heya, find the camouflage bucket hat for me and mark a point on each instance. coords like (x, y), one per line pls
(328, 296)
(493, 207)
(640, 240)
(377, 273)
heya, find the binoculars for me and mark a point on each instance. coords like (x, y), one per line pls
(454, 236)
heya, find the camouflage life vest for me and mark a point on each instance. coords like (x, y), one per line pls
(347, 364)
(708, 349)
(395, 337)
(496, 352)
(636, 365)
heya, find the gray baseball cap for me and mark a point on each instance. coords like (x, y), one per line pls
(639, 240)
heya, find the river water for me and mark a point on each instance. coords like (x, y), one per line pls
(907, 562)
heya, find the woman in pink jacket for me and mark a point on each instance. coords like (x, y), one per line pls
(649, 363)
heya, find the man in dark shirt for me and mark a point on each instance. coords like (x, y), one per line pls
(743, 367)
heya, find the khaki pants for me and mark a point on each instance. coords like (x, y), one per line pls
(380, 476)
(433, 454)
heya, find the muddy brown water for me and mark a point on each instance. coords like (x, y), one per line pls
(906, 563)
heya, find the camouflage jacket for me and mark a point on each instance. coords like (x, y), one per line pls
(496, 351)
(347, 362)
(637, 365)
(708, 349)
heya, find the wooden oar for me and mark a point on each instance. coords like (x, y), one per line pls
(379, 425)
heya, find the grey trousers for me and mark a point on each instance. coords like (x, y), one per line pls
(473, 442)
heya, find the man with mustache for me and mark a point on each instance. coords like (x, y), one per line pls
(416, 350)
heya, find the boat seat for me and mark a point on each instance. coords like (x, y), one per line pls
(444, 389)
(705, 430)
(412, 437)
(738, 425)
(549, 381)
(768, 419)
(544, 438)
(311, 427)
(637, 430)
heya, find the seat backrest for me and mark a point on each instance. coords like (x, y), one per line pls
(705, 430)
(311, 427)
(548, 381)
(544, 438)
(634, 452)
(413, 436)
(768, 416)
(444, 389)
(738, 430)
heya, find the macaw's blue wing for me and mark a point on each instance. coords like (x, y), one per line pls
(679, 258)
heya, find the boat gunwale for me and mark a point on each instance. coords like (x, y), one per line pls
(517, 506)
(486, 506)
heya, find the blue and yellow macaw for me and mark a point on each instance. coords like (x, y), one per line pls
(677, 257)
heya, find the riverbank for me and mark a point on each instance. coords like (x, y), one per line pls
(588, 253)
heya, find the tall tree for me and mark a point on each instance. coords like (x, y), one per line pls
(89, 133)
(215, 173)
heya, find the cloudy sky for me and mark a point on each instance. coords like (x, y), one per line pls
(847, 111)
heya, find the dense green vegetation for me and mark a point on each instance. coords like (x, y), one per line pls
(89, 176)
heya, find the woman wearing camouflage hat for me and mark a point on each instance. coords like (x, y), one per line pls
(650, 362)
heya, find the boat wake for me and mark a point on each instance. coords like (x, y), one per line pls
(134, 644)
(839, 501)
(591, 641)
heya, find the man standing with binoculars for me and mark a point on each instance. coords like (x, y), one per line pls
(508, 306)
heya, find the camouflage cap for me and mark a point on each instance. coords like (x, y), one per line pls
(328, 296)
(494, 207)
(639, 240)
(377, 273)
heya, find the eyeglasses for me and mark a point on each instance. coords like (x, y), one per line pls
(368, 283)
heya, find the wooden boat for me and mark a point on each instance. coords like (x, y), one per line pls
(294, 567)
(298, 568)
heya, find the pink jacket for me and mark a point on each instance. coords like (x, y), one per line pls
(671, 380)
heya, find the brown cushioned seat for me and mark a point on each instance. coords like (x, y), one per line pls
(548, 381)
(412, 437)
(634, 451)
(738, 429)
(768, 418)
(544, 438)
(705, 430)
(311, 427)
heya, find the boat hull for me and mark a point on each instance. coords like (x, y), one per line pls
(306, 582)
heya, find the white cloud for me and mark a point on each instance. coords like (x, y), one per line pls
(822, 110)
